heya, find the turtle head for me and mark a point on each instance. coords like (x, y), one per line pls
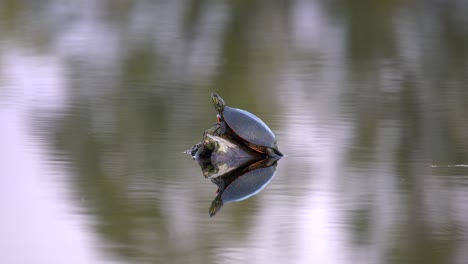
(216, 205)
(218, 102)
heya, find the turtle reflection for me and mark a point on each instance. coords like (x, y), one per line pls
(242, 183)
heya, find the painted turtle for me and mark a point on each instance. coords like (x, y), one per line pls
(246, 127)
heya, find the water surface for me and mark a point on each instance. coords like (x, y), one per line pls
(99, 99)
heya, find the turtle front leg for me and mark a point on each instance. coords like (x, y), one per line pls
(219, 128)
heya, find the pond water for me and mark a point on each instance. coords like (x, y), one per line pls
(99, 100)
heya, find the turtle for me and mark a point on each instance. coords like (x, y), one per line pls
(245, 127)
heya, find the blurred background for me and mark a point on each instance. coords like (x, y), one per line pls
(368, 100)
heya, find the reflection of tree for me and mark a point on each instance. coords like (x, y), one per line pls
(105, 165)
(423, 97)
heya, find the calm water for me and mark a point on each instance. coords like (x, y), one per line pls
(98, 100)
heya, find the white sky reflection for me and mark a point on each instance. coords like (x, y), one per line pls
(34, 227)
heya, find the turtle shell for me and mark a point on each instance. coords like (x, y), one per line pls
(248, 184)
(249, 127)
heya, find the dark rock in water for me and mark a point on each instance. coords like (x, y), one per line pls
(218, 154)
